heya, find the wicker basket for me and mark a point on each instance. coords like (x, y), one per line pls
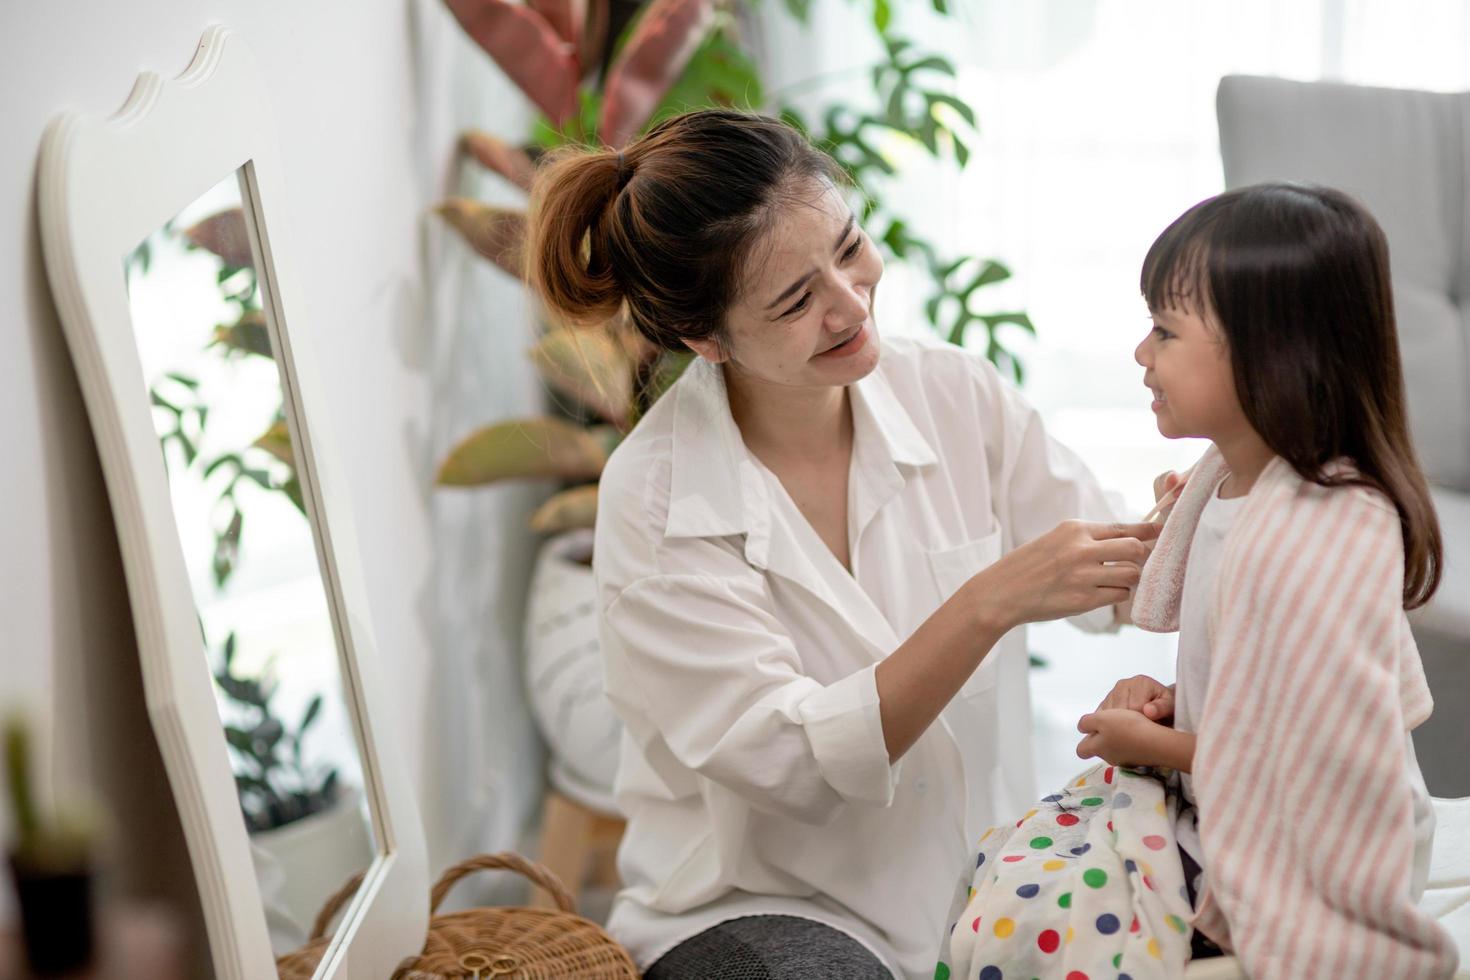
(480, 943)
(515, 943)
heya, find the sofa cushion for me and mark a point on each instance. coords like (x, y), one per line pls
(1448, 613)
(1402, 154)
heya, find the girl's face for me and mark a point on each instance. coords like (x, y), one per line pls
(804, 317)
(1186, 365)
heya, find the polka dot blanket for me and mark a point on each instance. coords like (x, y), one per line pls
(1087, 885)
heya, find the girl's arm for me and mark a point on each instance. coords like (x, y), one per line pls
(1129, 738)
(1175, 749)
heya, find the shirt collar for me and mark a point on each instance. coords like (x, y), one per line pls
(715, 487)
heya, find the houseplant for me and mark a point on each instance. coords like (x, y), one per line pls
(298, 811)
(52, 862)
(677, 54)
(276, 782)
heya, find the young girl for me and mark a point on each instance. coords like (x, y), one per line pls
(1286, 565)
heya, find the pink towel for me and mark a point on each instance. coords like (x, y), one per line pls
(1306, 814)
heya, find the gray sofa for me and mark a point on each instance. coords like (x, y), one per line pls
(1407, 156)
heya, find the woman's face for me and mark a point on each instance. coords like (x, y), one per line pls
(804, 314)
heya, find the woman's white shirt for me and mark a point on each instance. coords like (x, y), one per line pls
(740, 655)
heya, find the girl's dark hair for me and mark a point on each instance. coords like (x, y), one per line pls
(667, 225)
(1297, 277)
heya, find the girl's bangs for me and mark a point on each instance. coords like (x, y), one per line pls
(1176, 270)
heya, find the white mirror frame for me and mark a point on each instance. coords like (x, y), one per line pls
(105, 185)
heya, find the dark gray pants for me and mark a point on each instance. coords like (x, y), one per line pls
(769, 947)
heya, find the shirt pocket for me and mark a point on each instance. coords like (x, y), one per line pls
(953, 567)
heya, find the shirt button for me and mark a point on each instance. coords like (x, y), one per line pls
(921, 785)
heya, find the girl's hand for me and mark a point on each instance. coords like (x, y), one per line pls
(1073, 568)
(1123, 738)
(1144, 694)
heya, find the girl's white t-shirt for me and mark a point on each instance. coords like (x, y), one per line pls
(1193, 678)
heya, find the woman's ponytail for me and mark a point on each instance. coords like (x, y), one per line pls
(665, 226)
(566, 247)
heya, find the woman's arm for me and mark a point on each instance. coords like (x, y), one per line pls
(1061, 573)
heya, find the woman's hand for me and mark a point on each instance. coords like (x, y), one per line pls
(1127, 738)
(1074, 568)
(1142, 694)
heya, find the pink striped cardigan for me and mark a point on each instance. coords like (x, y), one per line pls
(1306, 817)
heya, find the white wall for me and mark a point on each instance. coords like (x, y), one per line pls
(362, 162)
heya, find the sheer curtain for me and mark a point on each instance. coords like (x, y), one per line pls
(1097, 128)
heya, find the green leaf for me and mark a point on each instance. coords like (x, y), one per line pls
(247, 335)
(310, 715)
(894, 114)
(992, 272)
(961, 151)
(242, 690)
(928, 134)
(226, 459)
(932, 63)
(227, 549)
(161, 402)
(1016, 319)
(948, 270)
(931, 308)
(882, 16)
(896, 238)
(190, 453)
(942, 6)
(269, 732)
(800, 9)
(963, 108)
(246, 783)
(292, 489)
(240, 741)
(957, 332)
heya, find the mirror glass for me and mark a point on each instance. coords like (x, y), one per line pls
(197, 306)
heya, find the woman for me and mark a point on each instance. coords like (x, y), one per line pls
(810, 556)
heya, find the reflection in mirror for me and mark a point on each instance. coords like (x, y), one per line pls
(196, 306)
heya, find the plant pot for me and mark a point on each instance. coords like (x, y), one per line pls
(56, 916)
(317, 853)
(564, 672)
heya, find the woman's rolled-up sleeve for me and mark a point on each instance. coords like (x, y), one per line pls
(703, 663)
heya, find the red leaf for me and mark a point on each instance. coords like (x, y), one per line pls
(653, 59)
(526, 48)
(496, 233)
(566, 17)
(224, 234)
(594, 33)
(511, 162)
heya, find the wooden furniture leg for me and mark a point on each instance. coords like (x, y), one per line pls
(578, 844)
